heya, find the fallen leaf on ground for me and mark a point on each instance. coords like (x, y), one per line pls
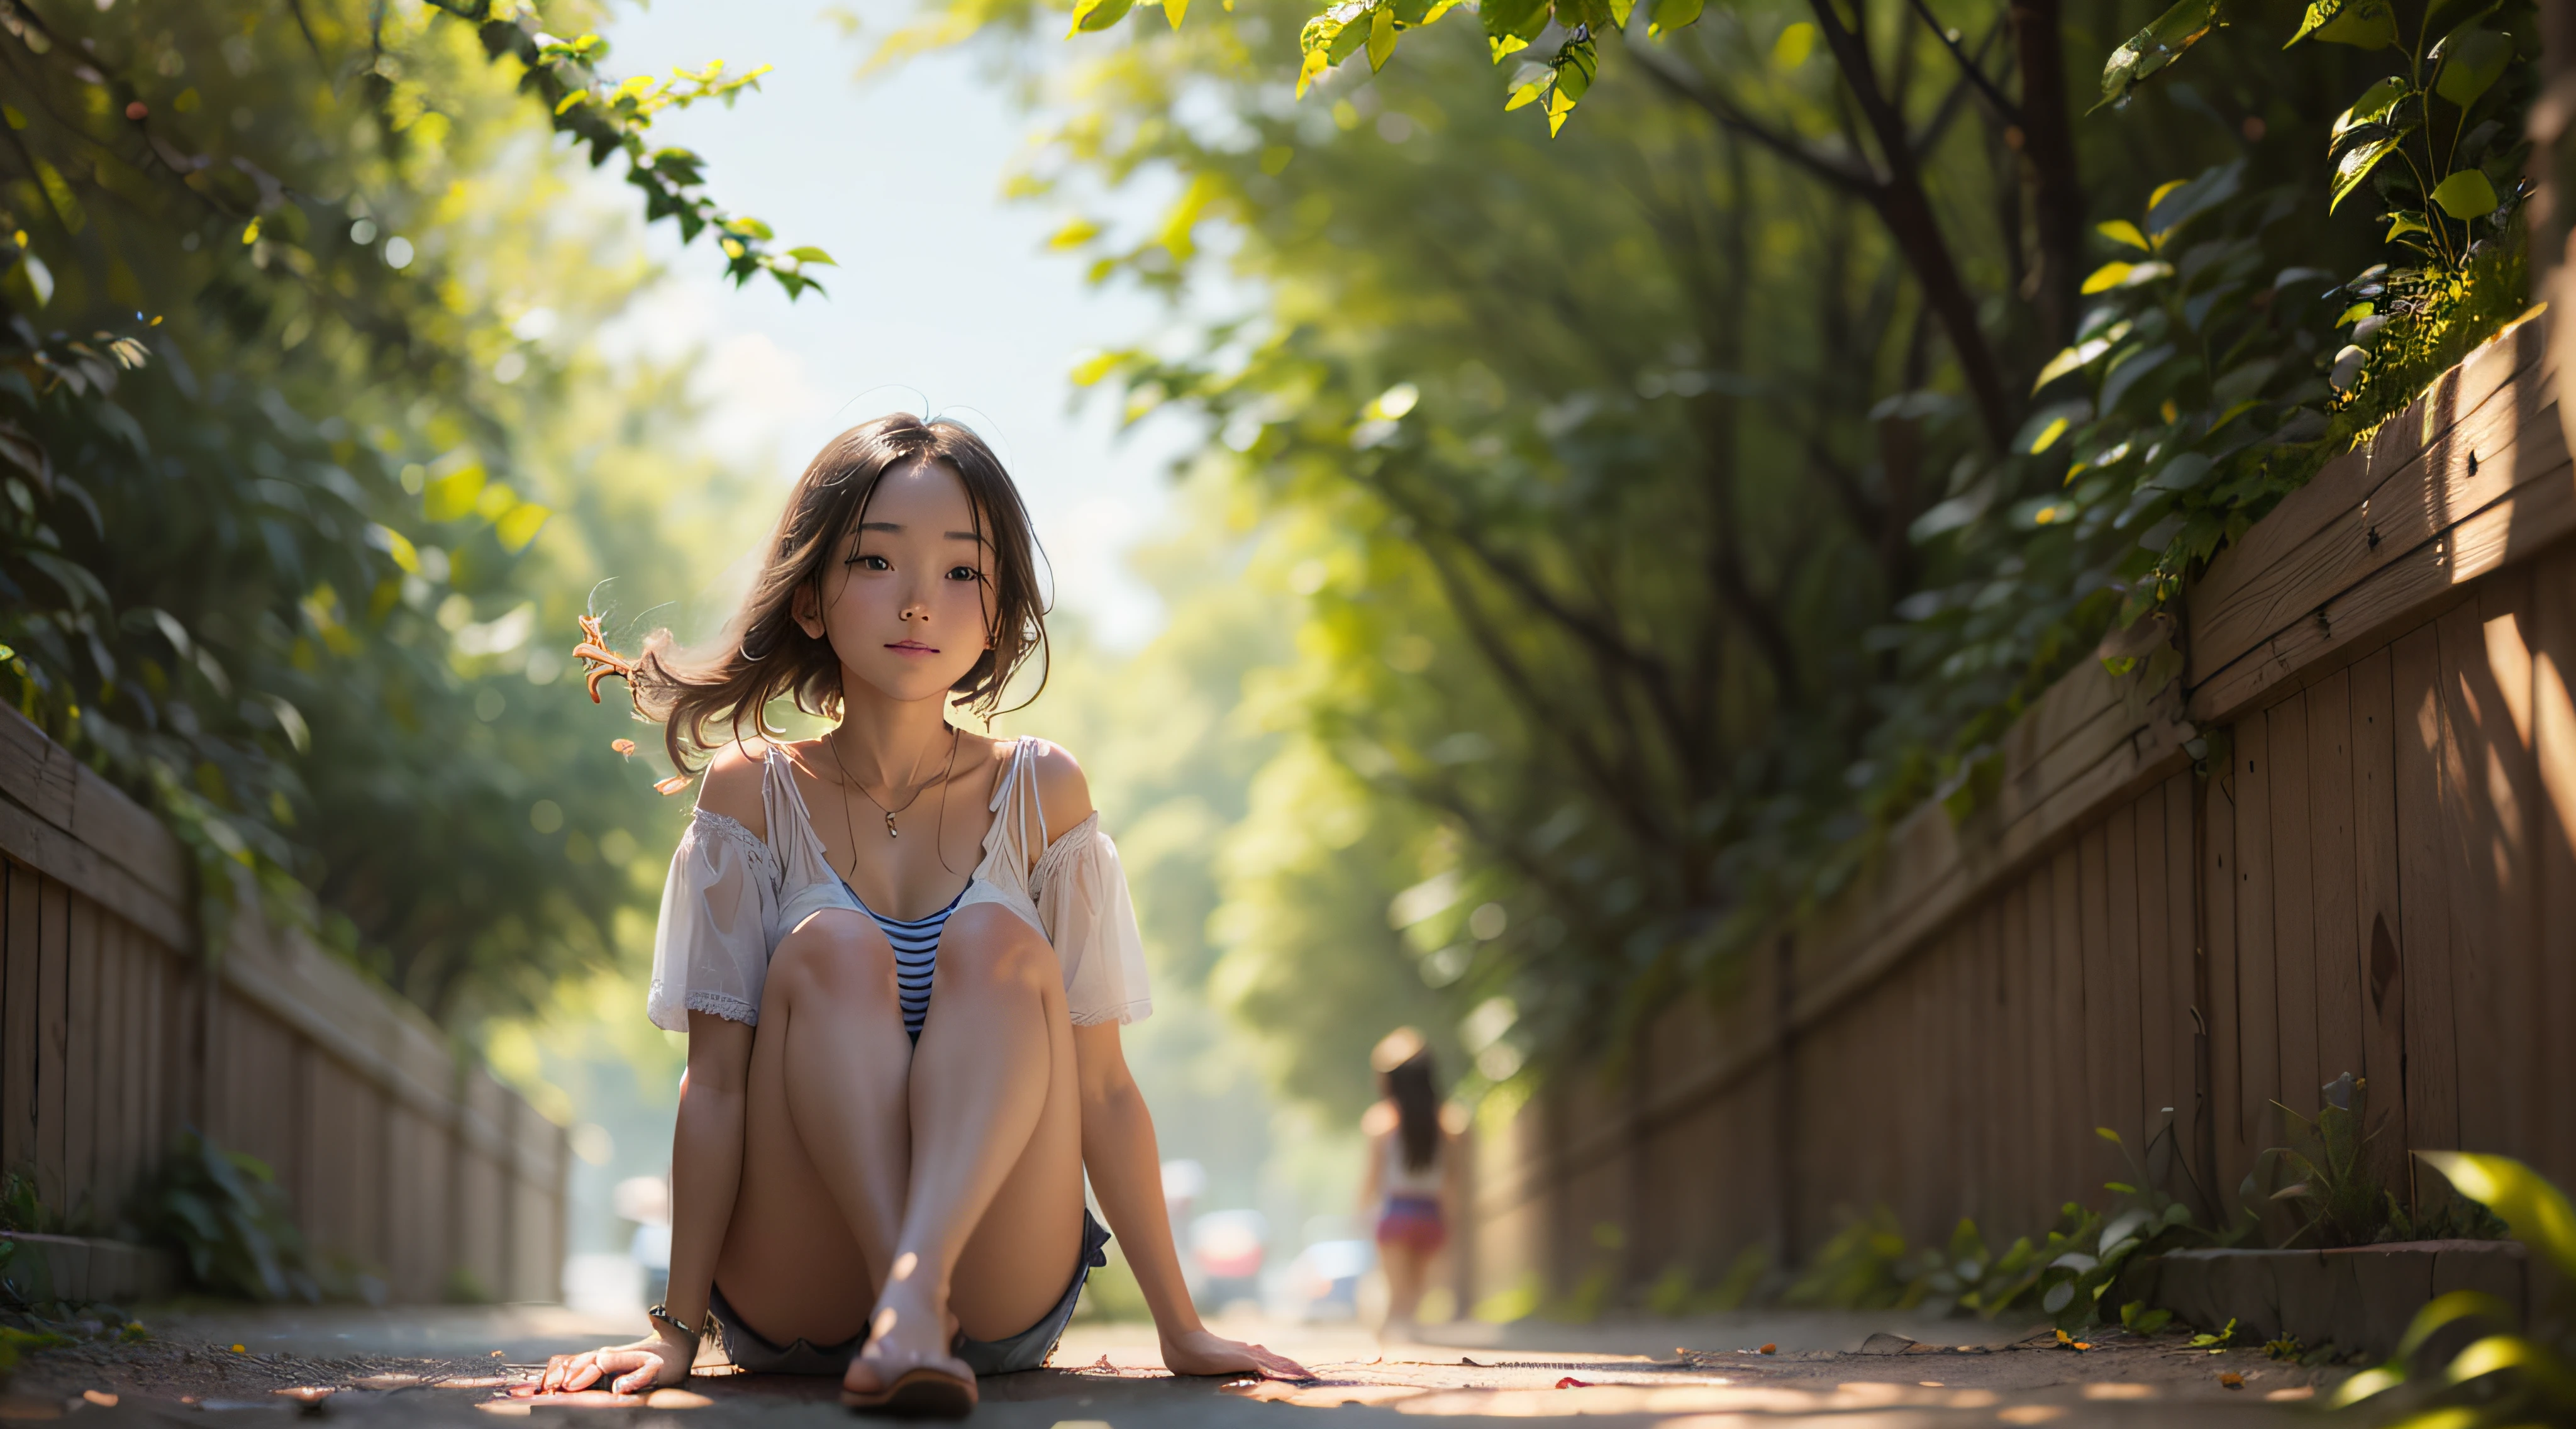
(1768, 1350)
(2232, 1380)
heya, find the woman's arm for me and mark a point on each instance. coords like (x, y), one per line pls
(706, 1173)
(1126, 1171)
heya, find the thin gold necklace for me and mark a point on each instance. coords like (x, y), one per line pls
(849, 783)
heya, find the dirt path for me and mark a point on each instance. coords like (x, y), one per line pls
(430, 1367)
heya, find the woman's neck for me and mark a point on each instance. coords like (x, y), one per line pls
(888, 743)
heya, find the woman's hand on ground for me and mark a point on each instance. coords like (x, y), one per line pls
(659, 1359)
(1206, 1352)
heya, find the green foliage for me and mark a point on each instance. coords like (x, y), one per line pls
(304, 463)
(16, 1344)
(2067, 1275)
(617, 119)
(2332, 1187)
(2507, 1375)
(229, 1220)
(2340, 1198)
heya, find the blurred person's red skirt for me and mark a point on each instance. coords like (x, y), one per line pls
(1413, 1222)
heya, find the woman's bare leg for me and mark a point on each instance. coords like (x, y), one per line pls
(826, 1143)
(1405, 1273)
(992, 1213)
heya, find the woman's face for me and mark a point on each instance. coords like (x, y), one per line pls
(903, 600)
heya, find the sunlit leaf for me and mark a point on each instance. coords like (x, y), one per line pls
(2466, 194)
(2120, 230)
(2363, 24)
(1671, 15)
(2156, 46)
(2374, 107)
(2472, 60)
(2357, 162)
(1381, 37)
(2537, 1212)
(1097, 15)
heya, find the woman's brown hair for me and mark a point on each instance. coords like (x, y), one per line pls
(767, 655)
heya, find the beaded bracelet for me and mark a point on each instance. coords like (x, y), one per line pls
(663, 1316)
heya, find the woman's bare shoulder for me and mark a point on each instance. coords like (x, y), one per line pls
(732, 783)
(1062, 787)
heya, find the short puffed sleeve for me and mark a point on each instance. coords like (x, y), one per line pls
(719, 921)
(1085, 912)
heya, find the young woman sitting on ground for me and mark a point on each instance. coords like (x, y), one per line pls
(902, 953)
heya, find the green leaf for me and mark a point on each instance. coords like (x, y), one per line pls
(2537, 1212)
(2177, 204)
(1097, 14)
(1381, 37)
(2400, 223)
(810, 254)
(1173, 10)
(2156, 46)
(2120, 230)
(2362, 24)
(1512, 24)
(1671, 15)
(520, 526)
(2466, 194)
(2374, 107)
(2472, 61)
(2359, 160)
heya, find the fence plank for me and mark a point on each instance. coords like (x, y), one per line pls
(2257, 988)
(2554, 856)
(2424, 899)
(80, 1069)
(2294, 933)
(2155, 1007)
(2378, 965)
(18, 1031)
(2068, 1156)
(2486, 673)
(2333, 851)
(2221, 923)
(53, 1036)
(2122, 1101)
(2182, 974)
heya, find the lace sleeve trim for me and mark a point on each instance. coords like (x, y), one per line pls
(717, 1004)
(1124, 1012)
(732, 831)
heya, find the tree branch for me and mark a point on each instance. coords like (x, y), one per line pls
(1840, 171)
(1970, 68)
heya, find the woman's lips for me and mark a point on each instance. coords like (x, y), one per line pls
(913, 647)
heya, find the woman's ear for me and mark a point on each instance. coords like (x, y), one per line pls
(807, 608)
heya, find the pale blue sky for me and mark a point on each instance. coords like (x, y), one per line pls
(943, 288)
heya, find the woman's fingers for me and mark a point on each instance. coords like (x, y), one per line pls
(1278, 1366)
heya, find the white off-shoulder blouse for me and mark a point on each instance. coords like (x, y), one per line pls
(733, 894)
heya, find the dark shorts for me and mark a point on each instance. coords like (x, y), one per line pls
(1412, 1221)
(1026, 1350)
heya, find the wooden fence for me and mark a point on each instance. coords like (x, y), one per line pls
(2375, 876)
(401, 1153)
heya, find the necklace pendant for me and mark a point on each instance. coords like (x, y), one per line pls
(890, 833)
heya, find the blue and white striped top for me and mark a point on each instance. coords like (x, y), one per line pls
(916, 956)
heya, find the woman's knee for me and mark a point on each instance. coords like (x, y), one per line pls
(994, 947)
(834, 959)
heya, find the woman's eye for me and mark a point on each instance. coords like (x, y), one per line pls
(965, 573)
(872, 562)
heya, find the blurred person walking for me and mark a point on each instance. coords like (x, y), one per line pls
(1411, 1175)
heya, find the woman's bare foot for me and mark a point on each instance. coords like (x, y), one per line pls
(910, 1331)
